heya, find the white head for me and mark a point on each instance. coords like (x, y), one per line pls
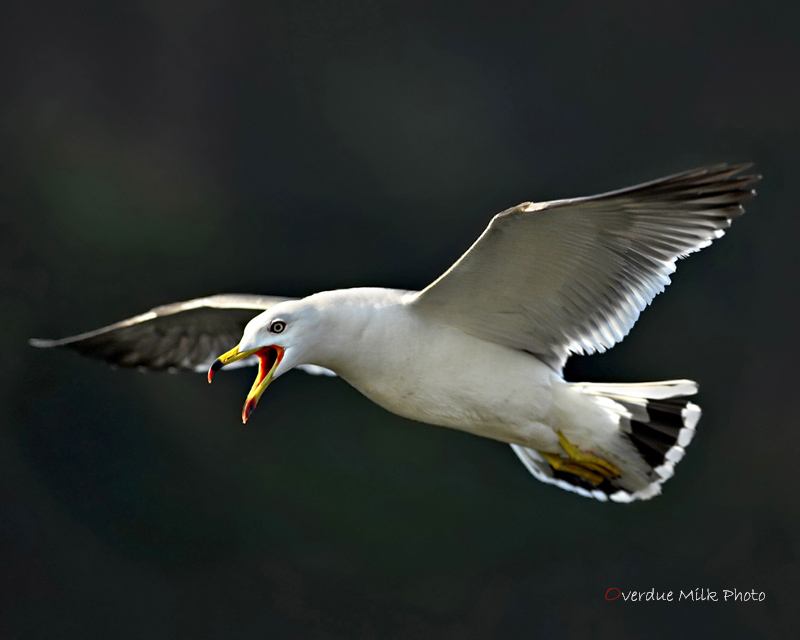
(282, 337)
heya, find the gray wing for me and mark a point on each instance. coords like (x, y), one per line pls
(183, 335)
(572, 276)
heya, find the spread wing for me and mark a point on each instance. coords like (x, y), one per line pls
(182, 335)
(572, 276)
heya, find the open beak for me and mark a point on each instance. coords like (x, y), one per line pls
(268, 360)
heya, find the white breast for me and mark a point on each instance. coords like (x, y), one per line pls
(433, 373)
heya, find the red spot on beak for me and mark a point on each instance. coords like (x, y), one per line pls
(248, 409)
(215, 366)
(268, 360)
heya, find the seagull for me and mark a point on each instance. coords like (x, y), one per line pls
(482, 348)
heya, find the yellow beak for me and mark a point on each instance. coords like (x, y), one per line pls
(268, 360)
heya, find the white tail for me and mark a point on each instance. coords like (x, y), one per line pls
(655, 417)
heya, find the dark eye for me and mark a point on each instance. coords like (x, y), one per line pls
(277, 326)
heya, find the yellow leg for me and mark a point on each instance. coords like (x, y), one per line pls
(585, 465)
(563, 464)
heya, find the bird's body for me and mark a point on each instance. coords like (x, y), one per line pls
(432, 372)
(482, 348)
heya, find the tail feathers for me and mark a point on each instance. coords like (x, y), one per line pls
(541, 470)
(656, 418)
(643, 390)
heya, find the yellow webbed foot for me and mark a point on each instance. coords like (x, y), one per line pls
(585, 465)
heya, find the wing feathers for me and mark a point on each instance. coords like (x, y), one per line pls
(572, 276)
(182, 335)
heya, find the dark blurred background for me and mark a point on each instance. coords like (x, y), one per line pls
(156, 151)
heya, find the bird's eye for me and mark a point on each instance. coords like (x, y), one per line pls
(277, 326)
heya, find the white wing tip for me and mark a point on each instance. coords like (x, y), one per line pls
(42, 343)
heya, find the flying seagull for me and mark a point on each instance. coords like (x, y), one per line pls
(482, 348)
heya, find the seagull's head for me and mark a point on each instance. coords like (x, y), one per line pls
(280, 337)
